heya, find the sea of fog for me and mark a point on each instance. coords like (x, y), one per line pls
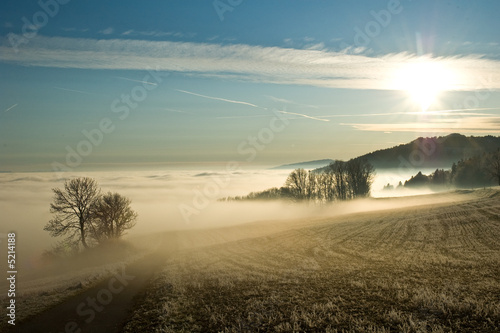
(164, 200)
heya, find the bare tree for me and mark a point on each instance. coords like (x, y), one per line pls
(72, 209)
(312, 186)
(326, 184)
(359, 177)
(112, 216)
(339, 171)
(297, 183)
(493, 166)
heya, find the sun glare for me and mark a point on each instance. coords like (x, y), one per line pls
(424, 81)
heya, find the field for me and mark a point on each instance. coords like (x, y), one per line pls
(57, 282)
(421, 268)
(421, 264)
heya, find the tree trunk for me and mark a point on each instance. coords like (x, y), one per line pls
(82, 233)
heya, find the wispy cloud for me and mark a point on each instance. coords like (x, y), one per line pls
(256, 63)
(449, 112)
(156, 33)
(479, 125)
(10, 108)
(219, 99)
(457, 111)
(72, 29)
(107, 31)
(365, 115)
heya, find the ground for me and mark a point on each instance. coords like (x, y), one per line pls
(424, 267)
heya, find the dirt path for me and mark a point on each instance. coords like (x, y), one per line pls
(102, 308)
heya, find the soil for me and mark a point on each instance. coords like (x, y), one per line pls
(102, 308)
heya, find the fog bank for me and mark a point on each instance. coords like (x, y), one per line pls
(164, 200)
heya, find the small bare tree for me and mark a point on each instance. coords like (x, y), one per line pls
(72, 209)
(112, 216)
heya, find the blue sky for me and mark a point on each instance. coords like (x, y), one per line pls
(342, 78)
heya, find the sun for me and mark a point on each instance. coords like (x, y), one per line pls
(424, 81)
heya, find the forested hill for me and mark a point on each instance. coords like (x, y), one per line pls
(434, 152)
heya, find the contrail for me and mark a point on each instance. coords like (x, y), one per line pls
(220, 99)
(126, 78)
(282, 100)
(304, 115)
(10, 108)
(76, 91)
(249, 104)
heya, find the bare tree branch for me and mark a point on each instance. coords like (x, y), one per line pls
(72, 209)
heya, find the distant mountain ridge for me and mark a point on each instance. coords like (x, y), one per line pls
(305, 165)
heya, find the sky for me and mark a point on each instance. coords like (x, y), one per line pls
(91, 85)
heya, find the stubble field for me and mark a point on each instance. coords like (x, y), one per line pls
(423, 268)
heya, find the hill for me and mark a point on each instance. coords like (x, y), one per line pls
(304, 165)
(434, 152)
